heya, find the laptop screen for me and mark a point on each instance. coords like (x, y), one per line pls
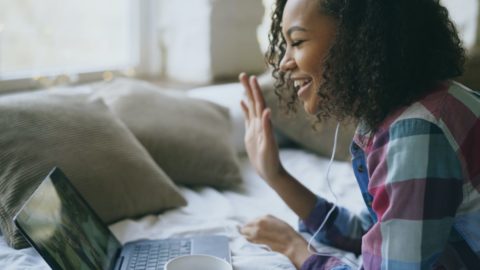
(64, 229)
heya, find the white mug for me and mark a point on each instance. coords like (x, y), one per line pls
(197, 262)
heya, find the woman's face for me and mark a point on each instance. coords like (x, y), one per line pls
(309, 35)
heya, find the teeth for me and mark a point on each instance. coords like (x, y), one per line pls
(299, 83)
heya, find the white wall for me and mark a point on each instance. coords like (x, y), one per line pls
(464, 13)
(206, 40)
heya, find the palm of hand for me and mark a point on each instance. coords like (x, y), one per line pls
(259, 140)
(261, 150)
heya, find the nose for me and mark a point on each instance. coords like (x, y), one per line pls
(288, 62)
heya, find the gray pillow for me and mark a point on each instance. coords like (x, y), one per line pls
(105, 162)
(299, 126)
(190, 139)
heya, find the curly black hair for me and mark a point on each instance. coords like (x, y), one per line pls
(386, 54)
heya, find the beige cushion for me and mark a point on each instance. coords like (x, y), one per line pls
(228, 96)
(299, 126)
(95, 150)
(190, 139)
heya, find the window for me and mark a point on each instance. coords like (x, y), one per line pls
(71, 38)
(39, 36)
(264, 27)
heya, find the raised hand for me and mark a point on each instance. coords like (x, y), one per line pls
(260, 143)
(262, 151)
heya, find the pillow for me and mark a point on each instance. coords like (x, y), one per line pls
(190, 139)
(228, 96)
(96, 151)
(299, 126)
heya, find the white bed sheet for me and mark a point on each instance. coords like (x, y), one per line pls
(221, 212)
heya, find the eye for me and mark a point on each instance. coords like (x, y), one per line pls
(297, 43)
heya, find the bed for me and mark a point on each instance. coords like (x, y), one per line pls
(233, 207)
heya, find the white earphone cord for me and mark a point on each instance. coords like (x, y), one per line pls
(309, 247)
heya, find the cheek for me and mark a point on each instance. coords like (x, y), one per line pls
(313, 65)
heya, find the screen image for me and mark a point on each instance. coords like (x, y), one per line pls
(64, 228)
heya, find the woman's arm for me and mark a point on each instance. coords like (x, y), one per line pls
(263, 153)
(299, 198)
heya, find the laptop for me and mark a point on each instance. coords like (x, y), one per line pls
(68, 234)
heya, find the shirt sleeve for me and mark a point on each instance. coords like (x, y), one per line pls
(416, 184)
(315, 262)
(343, 229)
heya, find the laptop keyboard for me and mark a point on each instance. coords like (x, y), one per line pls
(153, 256)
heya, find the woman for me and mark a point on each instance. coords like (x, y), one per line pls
(416, 153)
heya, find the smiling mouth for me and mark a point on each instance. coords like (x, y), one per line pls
(301, 86)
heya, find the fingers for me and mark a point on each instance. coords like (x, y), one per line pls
(256, 103)
(247, 229)
(243, 78)
(245, 111)
(251, 229)
(266, 118)
(254, 234)
(260, 227)
(267, 230)
(257, 96)
(267, 123)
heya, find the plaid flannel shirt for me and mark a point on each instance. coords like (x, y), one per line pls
(420, 178)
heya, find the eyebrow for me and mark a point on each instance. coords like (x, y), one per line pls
(295, 28)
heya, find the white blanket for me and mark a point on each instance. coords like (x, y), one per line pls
(210, 211)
